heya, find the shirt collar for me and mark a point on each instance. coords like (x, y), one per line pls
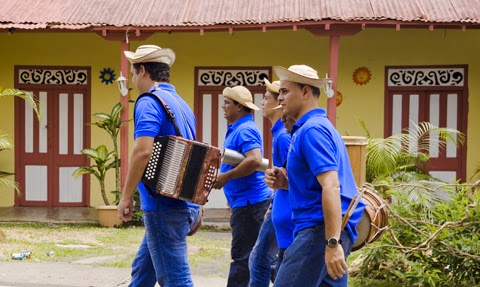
(277, 126)
(313, 113)
(163, 86)
(241, 120)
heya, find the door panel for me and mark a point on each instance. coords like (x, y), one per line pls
(50, 149)
(440, 108)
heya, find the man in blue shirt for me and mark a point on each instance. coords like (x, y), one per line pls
(321, 187)
(278, 224)
(162, 255)
(244, 187)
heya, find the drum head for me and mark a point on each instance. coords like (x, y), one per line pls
(363, 228)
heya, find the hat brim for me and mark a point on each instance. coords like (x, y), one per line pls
(230, 93)
(271, 87)
(286, 75)
(164, 55)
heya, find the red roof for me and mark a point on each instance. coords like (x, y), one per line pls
(81, 14)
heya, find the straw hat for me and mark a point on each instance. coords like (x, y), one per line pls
(241, 95)
(273, 87)
(151, 53)
(300, 74)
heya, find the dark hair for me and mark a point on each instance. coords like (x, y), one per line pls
(275, 95)
(246, 109)
(315, 90)
(159, 72)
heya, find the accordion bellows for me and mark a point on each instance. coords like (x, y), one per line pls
(182, 169)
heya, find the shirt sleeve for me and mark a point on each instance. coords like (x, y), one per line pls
(283, 144)
(148, 117)
(319, 150)
(248, 140)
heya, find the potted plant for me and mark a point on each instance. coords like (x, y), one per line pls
(104, 161)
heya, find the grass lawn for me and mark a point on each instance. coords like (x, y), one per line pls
(209, 251)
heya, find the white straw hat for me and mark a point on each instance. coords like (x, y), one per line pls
(273, 87)
(151, 53)
(301, 74)
(241, 95)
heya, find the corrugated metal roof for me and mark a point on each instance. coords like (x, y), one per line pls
(80, 14)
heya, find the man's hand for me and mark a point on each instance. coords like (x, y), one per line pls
(276, 178)
(221, 180)
(125, 209)
(335, 261)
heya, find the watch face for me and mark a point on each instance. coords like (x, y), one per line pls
(332, 242)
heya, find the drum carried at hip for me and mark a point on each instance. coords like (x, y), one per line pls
(374, 218)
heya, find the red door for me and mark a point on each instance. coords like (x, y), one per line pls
(442, 106)
(47, 152)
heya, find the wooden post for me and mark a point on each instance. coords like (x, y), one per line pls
(124, 68)
(333, 74)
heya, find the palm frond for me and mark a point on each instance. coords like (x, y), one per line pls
(6, 142)
(8, 184)
(27, 96)
(382, 156)
(424, 135)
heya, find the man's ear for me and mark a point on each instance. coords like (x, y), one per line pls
(306, 89)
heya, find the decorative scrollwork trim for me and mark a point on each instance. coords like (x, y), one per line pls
(426, 77)
(52, 77)
(235, 77)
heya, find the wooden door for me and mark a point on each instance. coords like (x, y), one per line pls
(435, 95)
(48, 151)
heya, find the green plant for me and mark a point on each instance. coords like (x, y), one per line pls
(429, 241)
(104, 160)
(439, 248)
(5, 141)
(111, 123)
(476, 173)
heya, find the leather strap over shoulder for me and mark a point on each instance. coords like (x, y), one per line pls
(170, 114)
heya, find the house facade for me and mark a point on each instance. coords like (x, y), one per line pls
(389, 74)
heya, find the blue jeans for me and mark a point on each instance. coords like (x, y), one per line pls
(162, 255)
(304, 261)
(245, 222)
(263, 254)
(280, 255)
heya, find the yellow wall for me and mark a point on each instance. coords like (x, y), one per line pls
(372, 48)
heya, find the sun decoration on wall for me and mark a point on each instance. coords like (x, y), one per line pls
(361, 76)
(107, 75)
(339, 98)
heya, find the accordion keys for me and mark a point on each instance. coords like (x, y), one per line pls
(182, 169)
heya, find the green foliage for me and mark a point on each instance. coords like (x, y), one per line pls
(111, 123)
(5, 141)
(476, 173)
(438, 248)
(402, 156)
(104, 160)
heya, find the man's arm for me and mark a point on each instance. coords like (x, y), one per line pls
(252, 161)
(142, 150)
(332, 214)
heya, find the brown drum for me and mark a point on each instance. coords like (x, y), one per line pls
(374, 219)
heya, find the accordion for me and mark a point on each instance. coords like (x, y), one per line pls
(181, 168)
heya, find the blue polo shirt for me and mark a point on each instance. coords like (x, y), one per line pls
(281, 210)
(317, 147)
(244, 136)
(151, 121)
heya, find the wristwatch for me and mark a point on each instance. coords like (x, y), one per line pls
(333, 242)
